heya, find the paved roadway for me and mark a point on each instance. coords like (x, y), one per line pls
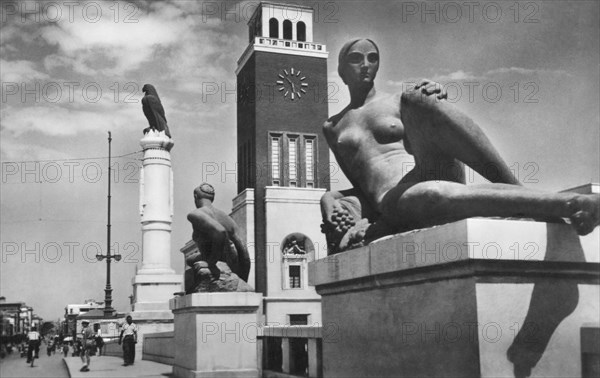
(13, 366)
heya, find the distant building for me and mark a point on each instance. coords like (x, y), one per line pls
(17, 317)
(72, 311)
(88, 305)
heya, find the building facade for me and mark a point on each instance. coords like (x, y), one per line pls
(283, 159)
(17, 318)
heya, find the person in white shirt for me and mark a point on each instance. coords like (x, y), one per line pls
(129, 338)
(34, 339)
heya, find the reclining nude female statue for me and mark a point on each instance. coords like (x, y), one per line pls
(367, 138)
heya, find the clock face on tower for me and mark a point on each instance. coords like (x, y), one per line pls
(291, 83)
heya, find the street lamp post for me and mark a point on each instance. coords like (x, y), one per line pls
(108, 310)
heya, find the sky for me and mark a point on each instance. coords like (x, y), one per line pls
(526, 72)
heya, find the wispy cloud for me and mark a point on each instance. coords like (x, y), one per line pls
(18, 71)
(459, 75)
(525, 71)
(60, 121)
(109, 47)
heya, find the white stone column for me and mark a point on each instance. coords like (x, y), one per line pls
(156, 204)
(155, 282)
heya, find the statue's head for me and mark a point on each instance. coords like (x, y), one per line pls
(358, 61)
(149, 88)
(204, 191)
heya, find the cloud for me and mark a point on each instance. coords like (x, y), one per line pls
(112, 45)
(461, 75)
(19, 71)
(61, 121)
(526, 71)
(13, 149)
(454, 76)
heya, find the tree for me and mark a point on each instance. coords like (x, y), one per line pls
(46, 328)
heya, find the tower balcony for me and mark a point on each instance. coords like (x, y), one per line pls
(283, 46)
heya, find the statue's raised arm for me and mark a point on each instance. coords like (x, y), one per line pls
(369, 137)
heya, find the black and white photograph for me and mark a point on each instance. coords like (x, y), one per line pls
(300, 188)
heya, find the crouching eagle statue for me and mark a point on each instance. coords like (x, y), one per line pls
(154, 111)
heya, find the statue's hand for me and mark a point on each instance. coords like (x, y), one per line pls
(429, 88)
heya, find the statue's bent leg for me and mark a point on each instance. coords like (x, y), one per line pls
(417, 205)
(434, 126)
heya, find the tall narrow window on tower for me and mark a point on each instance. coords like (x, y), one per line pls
(295, 282)
(293, 172)
(273, 28)
(275, 159)
(309, 163)
(287, 29)
(301, 31)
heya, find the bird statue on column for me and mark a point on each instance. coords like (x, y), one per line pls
(154, 111)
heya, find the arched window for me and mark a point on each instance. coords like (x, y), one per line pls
(297, 250)
(301, 31)
(287, 29)
(273, 28)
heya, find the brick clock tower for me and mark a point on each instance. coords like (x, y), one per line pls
(283, 158)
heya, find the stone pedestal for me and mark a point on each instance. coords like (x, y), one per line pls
(475, 298)
(155, 281)
(216, 334)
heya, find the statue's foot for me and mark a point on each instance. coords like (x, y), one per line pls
(585, 213)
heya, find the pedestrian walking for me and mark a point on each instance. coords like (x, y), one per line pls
(88, 343)
(128, 337)
(99, 339)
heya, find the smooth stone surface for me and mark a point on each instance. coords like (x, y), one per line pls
(216, 334)
(407, 307)
(159, 347)
(469, 239)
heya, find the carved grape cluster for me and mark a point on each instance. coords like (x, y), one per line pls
(342, 220)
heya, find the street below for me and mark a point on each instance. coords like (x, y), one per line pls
(13, 366)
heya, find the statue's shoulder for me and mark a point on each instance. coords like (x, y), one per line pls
(332, 121)
(386, 100)
(199, 213)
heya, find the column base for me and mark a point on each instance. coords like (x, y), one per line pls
(152, 292)
(180, 372)
(150, 322)
(216, 334)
